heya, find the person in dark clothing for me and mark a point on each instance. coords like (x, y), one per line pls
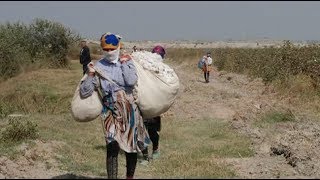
(85, 58)
(153, 125)
(134, 49)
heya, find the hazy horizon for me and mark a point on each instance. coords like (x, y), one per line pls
(169, 20)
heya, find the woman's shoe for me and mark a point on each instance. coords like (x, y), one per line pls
(156, 154)
(144, 161)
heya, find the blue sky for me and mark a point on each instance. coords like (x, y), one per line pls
(169, 20)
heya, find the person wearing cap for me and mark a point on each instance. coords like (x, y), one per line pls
(207, 62)
(153, 125)
(122, 120)
(85, 58)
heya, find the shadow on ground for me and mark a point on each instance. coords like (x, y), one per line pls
(203, 81)
(100, 147)
(104, 148)
(74, 176)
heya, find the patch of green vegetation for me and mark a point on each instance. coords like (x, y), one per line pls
(18, 130)
(45, 44)
(273, 117)
(276, 117)
(9, 149)
(34, 97)
(5, 109)
(193, 148)
(84, 151)
(14, 132)
(271, 63)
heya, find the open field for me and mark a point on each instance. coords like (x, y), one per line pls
(232, 127)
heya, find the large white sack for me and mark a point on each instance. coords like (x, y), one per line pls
(157, 85)
(85, 109)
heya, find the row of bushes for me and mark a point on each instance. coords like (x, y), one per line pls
(40, 43)
(268, 63)
(272, 63)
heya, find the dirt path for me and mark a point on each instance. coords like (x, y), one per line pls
(284, 150)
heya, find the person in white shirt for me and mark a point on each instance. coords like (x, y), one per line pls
(207, 63)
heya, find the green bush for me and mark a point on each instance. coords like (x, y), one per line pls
(53, 39)
(19, 129)
(42, 43)
(12, 49)
(271, 63)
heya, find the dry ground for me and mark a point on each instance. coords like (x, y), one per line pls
(213, 130)
(282, 149)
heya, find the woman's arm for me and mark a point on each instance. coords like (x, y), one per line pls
(88, 85)
(129, 73)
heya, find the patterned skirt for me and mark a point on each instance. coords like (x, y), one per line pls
(122, 122)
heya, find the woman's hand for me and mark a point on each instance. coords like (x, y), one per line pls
(125, 58)
(91, 69)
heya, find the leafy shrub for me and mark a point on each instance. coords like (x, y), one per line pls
(51, 38)
(41, 43)
(12, 52)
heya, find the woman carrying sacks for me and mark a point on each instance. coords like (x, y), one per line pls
(153, 125)
(123, 124)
